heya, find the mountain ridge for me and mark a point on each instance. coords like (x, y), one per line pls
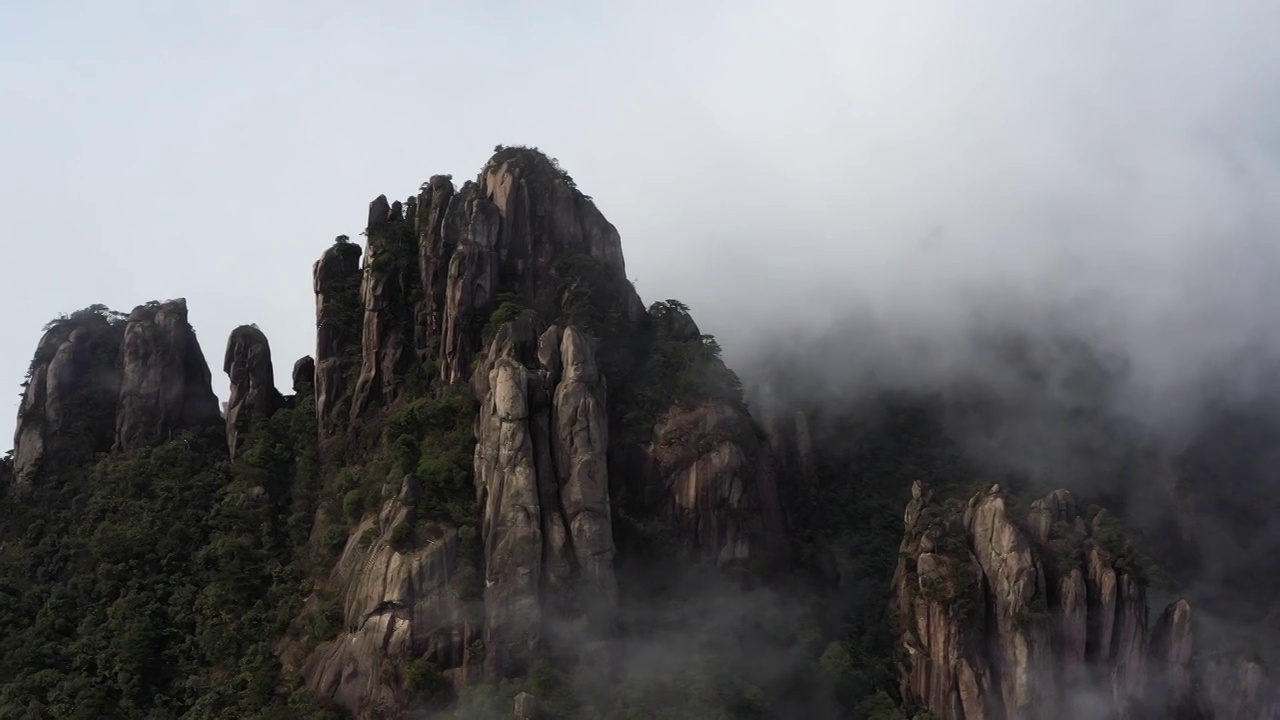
(500, 475)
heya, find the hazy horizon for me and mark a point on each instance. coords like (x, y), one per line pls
(780, 171)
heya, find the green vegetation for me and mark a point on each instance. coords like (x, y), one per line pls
(149, 584)
(534, 163)
(393, 247)
(509, 306)
(682, 367)
(422, 676)
(690, 690)
(1113, 537)
(430, 440)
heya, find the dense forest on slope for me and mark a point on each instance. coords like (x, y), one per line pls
(502, 474)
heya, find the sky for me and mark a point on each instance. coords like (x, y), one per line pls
(777, 166)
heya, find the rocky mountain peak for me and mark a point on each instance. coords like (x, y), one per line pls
(101, 380)
(336, 282)
(165, 383)
(247, 362)
(70, 395)
(512, 290)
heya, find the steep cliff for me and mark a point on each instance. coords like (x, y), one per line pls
(138, 380)
(253, 398)
(165, 384)
(336, 281)
(389, 291)
(69, 398)
(1044, 617)
(513, 288)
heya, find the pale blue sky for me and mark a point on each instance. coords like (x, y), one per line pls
(770, 163)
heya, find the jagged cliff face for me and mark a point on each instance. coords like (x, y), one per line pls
(515, 285)
(543, 485)
(1043, 618)
(98, 375)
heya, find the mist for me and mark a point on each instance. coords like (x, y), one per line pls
(778, 169)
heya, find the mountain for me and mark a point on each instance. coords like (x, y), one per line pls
(503, 486)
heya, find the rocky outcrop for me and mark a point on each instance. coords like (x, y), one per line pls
(543, 488)
(521, 231)
(941, 606)
(1172, 654)
(100, 380)
(247, 362)
(708, 466)
(471, 282)
(720, 485)
(435, 249)
(304, 374)
(1185, 682)
(1044, 618)
(515, 285)
(69, 398)
(580, 444)
(336, 281)
(399, 603)
(388, 292)
(165, 384)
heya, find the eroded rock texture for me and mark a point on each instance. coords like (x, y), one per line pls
(101, 381)
(719, 484)
(71, 392)
(165, 384)
(543, 487)
(253, 398)
(389, 290)
(515, 285)
(336, 280)
(1045, 618)
(398, 604)
(711, 471)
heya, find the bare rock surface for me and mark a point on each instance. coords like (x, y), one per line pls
(1045, 618)
(253, 398)
(165, 383)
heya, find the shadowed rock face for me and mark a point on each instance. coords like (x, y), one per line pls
(1042, 619)
(247, 362)
(304, 373)
(71, 394)
(336, 278)
(165, 384)
(100, 381)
